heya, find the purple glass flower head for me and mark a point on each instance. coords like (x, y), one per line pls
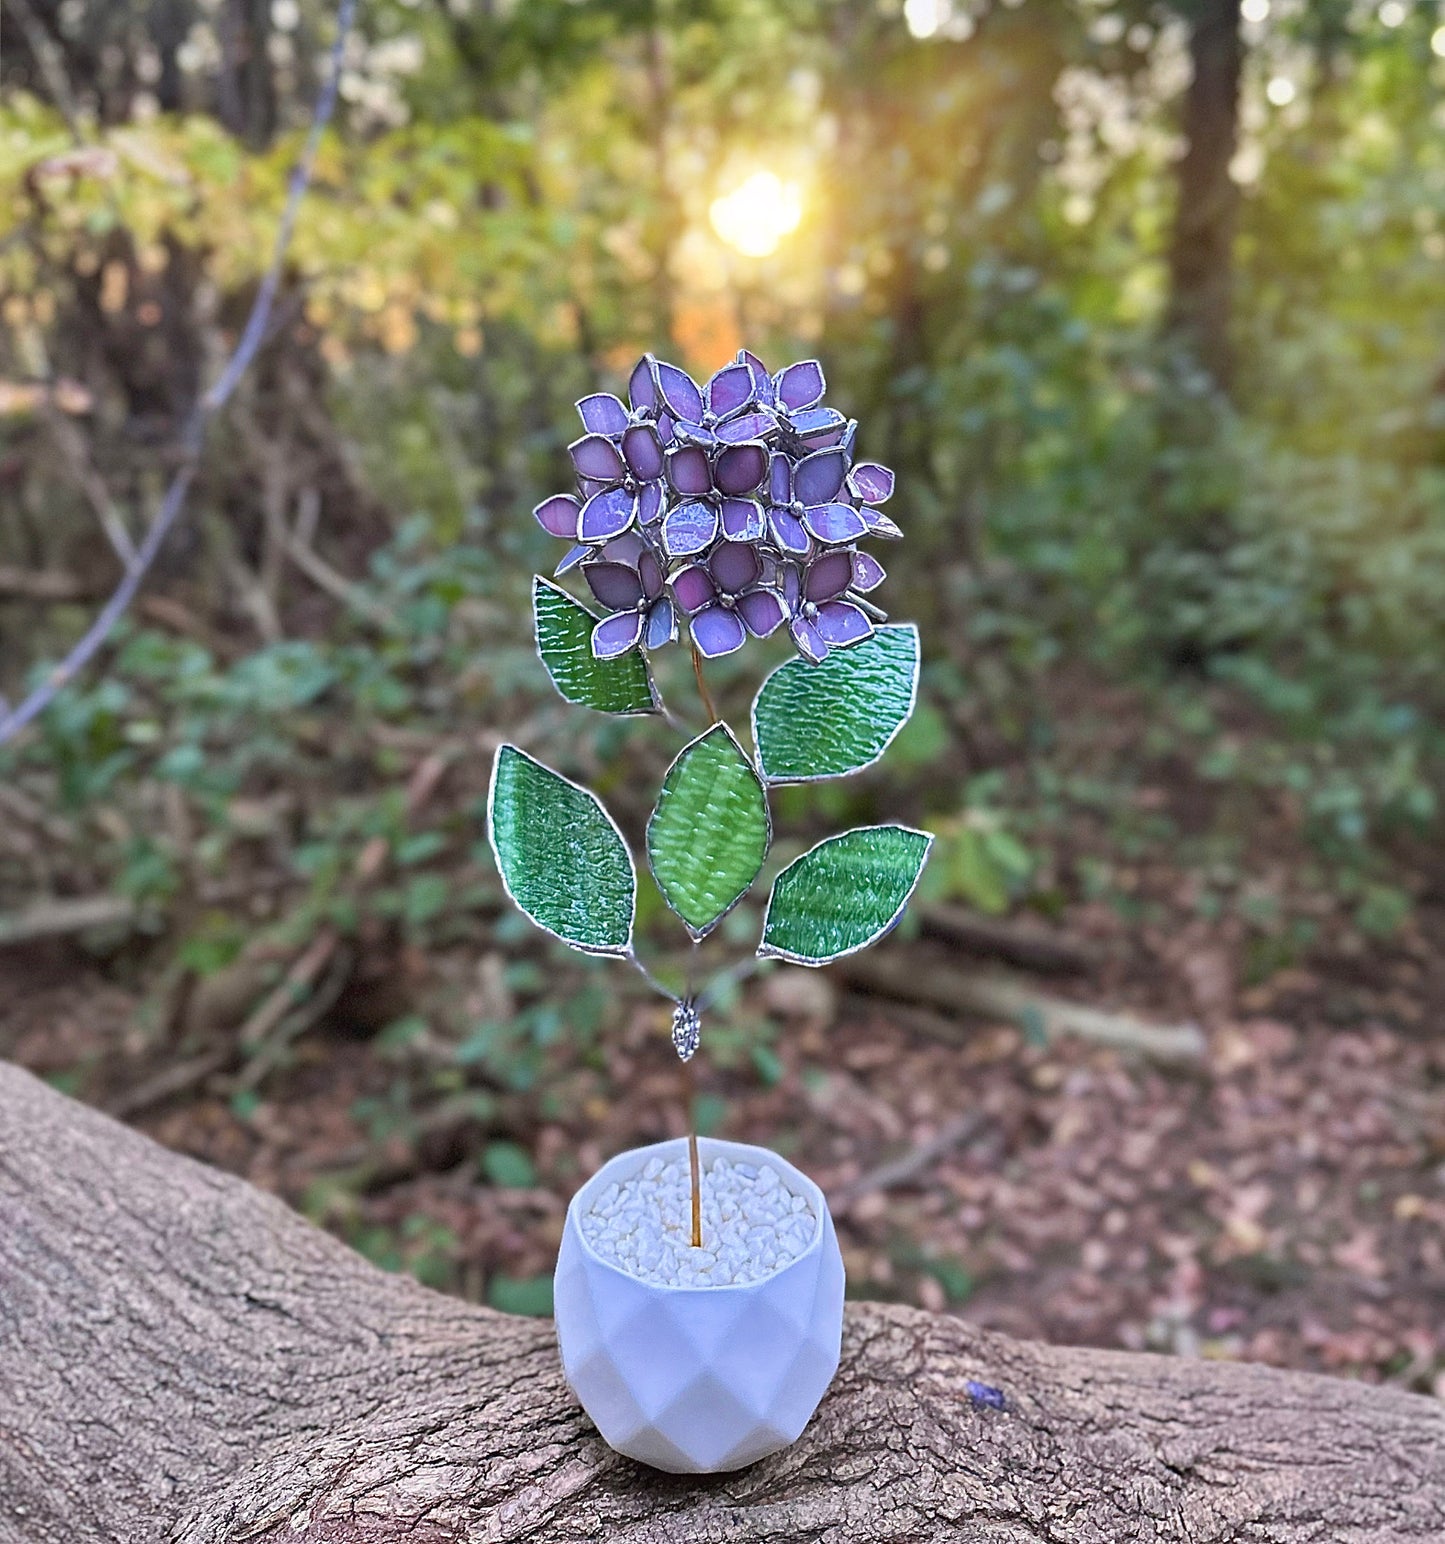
(736, 504)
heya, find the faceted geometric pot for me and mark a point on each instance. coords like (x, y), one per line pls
(696, 1380)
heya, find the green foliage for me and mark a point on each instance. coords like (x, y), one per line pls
(564, 640)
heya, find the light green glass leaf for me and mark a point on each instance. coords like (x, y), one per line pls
(709, 834)
(564, 640)
(843, 894)
(816, 721)
(562, 859)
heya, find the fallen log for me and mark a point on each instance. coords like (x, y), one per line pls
(1029, 945)
(185, 1361)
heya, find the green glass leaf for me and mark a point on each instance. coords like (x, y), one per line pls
(843, 894)
(564, 640)
(709, 834)
(561, 858)
(816, 721)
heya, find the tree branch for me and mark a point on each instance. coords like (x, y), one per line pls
(184, 1361)
(193, 437)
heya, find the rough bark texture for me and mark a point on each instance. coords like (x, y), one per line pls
(183, 1359)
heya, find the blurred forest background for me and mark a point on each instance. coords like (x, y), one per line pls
(1145, 302)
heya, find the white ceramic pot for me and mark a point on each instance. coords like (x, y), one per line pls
(696, 1380)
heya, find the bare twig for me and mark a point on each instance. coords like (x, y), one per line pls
(910, 1165)
(72, 448)
(193, 437)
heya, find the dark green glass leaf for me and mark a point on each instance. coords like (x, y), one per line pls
(709, 834)
(844, 894)
(564, 640)
(562, 859)
(814, 721)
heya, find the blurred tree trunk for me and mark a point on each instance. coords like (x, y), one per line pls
(1201, 251)
(247, 88)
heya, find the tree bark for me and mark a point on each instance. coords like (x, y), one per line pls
(182, 1359)
(1201, 254)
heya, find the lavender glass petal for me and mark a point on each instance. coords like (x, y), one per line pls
(717, 631)
(597, 457)
(558, 515)
(606, 515)
(617, 634)
(602, 413)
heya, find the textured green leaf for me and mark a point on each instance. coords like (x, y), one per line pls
(564, 640)
(709, 834)
(844, 894)
(562, 859)
(815, 721)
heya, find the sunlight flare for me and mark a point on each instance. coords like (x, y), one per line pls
(756, 216)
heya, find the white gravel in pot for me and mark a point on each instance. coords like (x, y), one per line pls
(752, 1224)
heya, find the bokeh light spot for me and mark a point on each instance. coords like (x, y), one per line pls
(758, 214)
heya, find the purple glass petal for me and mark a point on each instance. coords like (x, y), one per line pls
(602, 413)
(764, 611)
(649, 571)
(717, 631)
(558, 515)
(780, 479)
(879, 524)
(792, 587)
(812, 645)
(686, 433)
(735, 565)
(841, 623)
(649, 502)
(730, 389)
(817, 478)
(743, 520)
(693, 588)
(871, 482)
(689, 528)
(829, 576)
(642, 385)
(661, 624)
(788, 532)
(606, 515)
(614, 584)
(751, 426)
(850, 436)
(666, 428)
(868, 573)
(688, 470)
(617, 634)
(626, 549)
(741, 468)
(571, 560)
(800, 385)
(587, 486)
(818, 426)
(598, 458)
(680, 395)
(834, 524)
(642, 450)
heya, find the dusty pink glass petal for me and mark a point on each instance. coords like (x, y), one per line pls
(573, 557)
(587, 486)
(741, 468)
(868, 573)
(626, 549)
(788, 532)
(812, 645)
(717, 631)
(880, 524)
(693, 588)
(751, 426)
(616, 634)
(800, 385)
(834, 524)
(661, 624)
(743, 520)
(734, 566)
(602, 413)
(817, 478)
(614, 584)
(642, 451)
(688, 470)
(829, 576)
(649, 502)
(597, 457)
(690, 528)
(780, 479)
(649, 570)
(842, 623)
(558, 516)
(764, 611)
(730, 389)
(871, 482)
(606, 515)
(680, 395)
(818, 426)
(642, 385)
